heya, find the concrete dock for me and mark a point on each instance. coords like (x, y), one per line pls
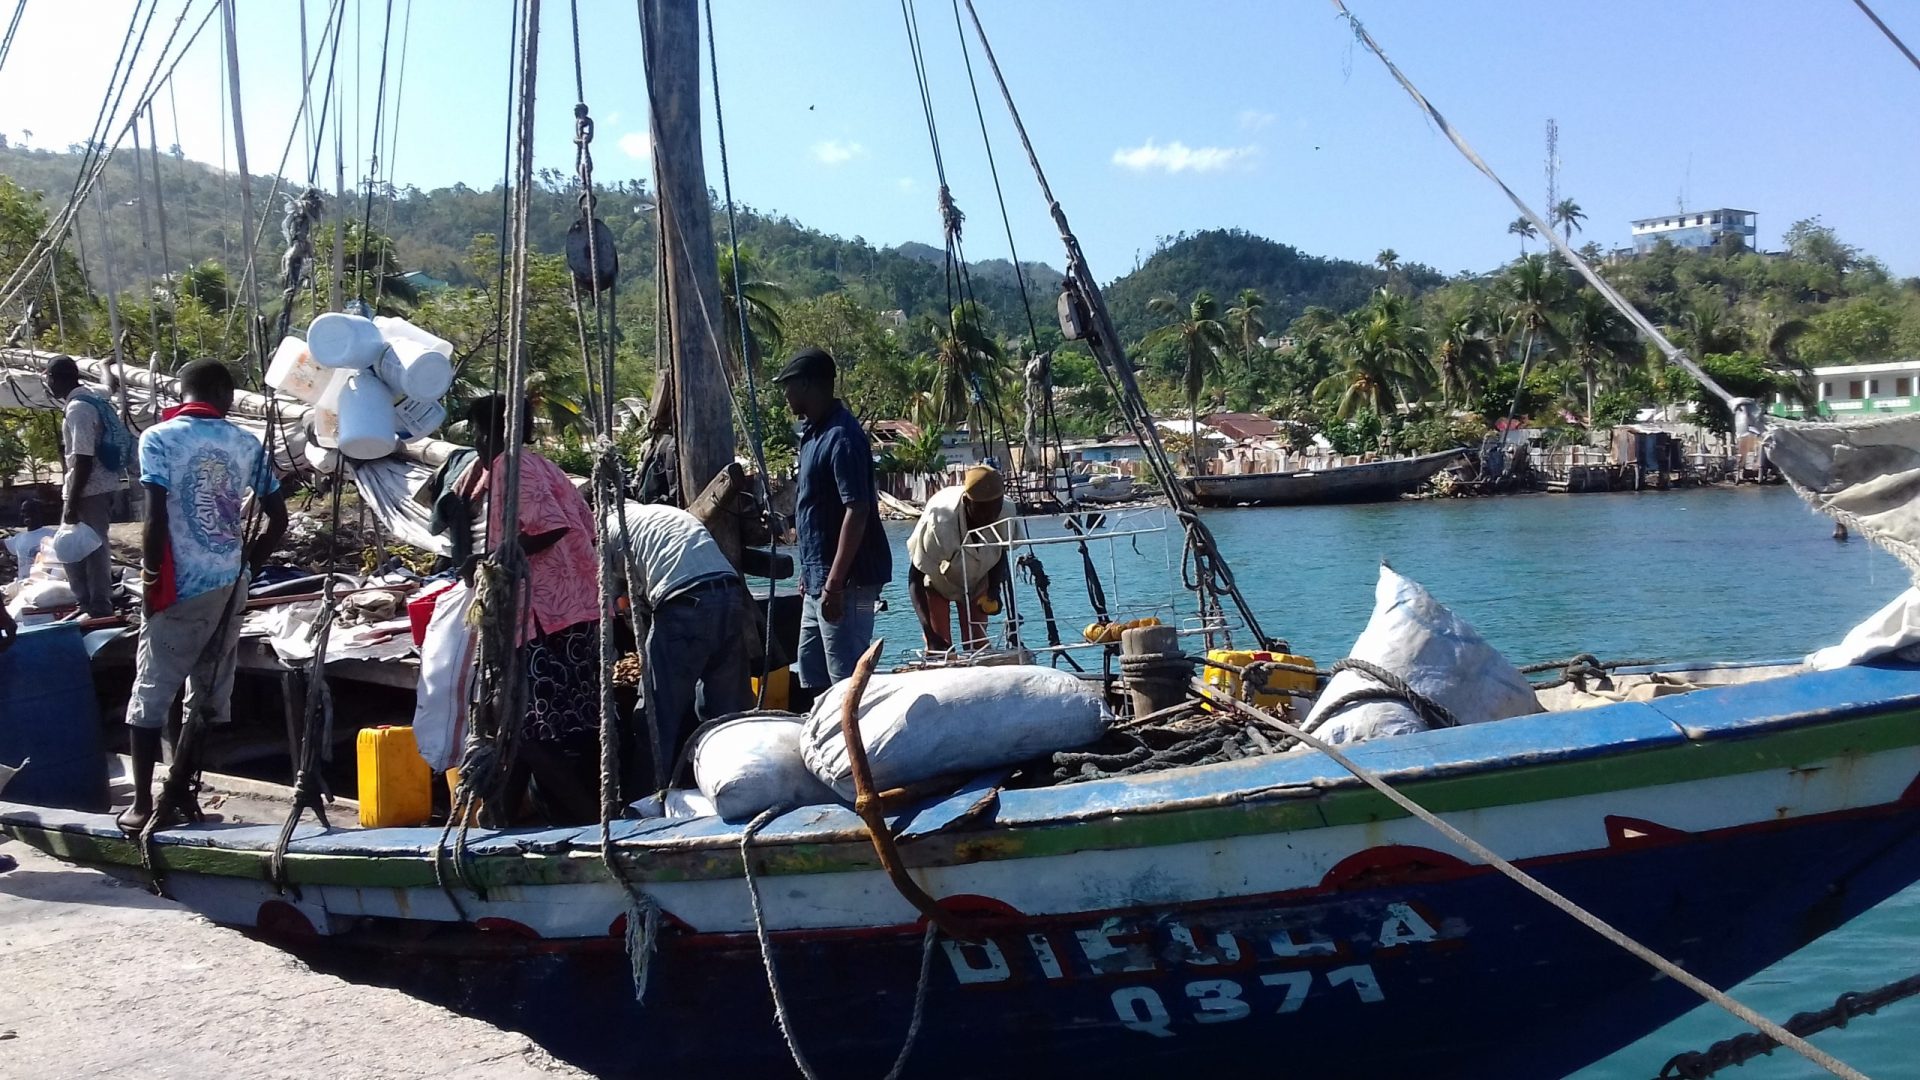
(100, 978)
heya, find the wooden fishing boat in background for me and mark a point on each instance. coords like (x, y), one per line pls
(1373, 481)
(1269, 909)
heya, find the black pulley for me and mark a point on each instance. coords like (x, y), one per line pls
(602, 256)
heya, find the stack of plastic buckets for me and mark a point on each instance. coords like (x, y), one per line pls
(373, 383)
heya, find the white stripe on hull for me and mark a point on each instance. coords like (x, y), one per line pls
(1091, 881)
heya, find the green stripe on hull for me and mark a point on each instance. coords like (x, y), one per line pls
(1292, 810)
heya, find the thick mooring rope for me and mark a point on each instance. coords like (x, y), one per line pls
(781, 1015)
(1538, 888)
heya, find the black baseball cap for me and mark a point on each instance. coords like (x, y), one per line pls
(809, 365)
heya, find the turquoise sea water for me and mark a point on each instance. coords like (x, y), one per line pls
(1742, 574)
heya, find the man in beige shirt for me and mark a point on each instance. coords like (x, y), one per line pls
(947, 573)
(98, 455)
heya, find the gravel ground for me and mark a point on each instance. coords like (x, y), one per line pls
(103, 979)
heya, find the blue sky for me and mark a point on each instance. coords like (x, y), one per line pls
(1151, 118)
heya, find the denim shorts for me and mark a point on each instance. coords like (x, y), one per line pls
(829, 650)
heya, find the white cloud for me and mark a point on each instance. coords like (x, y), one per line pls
(612, 119)
(906, 183)
(636, 144)
(1177, 157)
(1254, 119)
(836, 152)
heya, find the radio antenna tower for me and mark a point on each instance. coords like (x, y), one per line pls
(1553, 164)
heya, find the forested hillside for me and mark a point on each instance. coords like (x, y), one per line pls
(1215, 319)
(1225, 261)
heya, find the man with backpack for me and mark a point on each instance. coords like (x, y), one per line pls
(99, 450)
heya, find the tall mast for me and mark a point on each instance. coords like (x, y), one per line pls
(702, 409)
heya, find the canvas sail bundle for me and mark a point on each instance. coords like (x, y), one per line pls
(1865, 475)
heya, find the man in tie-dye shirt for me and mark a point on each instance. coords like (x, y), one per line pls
(198, 471)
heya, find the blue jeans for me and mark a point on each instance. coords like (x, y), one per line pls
(829, 650)
(696, 664)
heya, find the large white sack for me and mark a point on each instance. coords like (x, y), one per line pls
(753, 763)
(917, 725)
(1415, 637)
(446, 673)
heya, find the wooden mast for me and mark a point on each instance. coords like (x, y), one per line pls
(694, 381)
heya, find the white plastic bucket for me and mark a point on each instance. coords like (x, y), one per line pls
(337, 340)
(417, 418)
(396, 329)
(366, 418)
(414, 369)
(320, 459)
(74, 542)
(294, 372)
(326, 411)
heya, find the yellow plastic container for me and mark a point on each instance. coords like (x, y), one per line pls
(396, 783)
(1280, 684)
(779, 688)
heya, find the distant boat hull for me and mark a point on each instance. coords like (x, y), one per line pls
(1374, 481)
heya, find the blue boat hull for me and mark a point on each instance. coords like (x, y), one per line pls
(1431, 969)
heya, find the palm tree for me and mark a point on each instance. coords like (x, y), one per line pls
(1384, 359)
(968, 366)
(1567, 214)
(1463, 356)
(1523, 229)
(1598, 337)
(1196, 329)
(1705, 328)
(1388, 261)
(208, 283)
(1245, 320)
(1535, 291)
(760, 298)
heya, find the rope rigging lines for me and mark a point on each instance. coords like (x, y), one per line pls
(13, 25)
(1861, 4)
(1211, 578)
(964, 332)
(1640, 322)
(95, 160)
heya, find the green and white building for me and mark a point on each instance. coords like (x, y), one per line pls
(1891, 386)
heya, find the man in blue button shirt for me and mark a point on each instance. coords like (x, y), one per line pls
(844, 555)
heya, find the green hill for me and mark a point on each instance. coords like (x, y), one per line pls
(1224, 261)
(433, 231)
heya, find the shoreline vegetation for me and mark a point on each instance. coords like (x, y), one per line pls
(1389, 355)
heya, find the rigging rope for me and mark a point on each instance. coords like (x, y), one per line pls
(1533, 885)
(954, 269)
(50, 238)
(166, 258)
(780, 1011)
(1051, 422)
(1647, 330)
(1114, 366)
(1861, 4)
(13, 24)
(756, 439)
(373, 166)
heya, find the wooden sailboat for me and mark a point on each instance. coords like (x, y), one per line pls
(1271, 910)
(1372, 481)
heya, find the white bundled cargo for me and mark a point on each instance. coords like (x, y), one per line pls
(752, 763)
(917, 725)
(373, 383)
(1413, 636)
